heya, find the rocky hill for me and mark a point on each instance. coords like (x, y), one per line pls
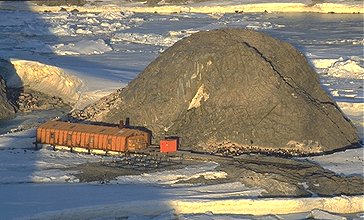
(231, 91)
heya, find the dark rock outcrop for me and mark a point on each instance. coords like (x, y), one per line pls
(6, 109)
(289, 177)
(276, 176)
(231, 91)
(28, 100)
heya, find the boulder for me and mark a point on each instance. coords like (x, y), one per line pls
(6, 109)
(232, 91)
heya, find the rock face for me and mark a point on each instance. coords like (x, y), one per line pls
(6, 110)
(232, 91)
(27, 100)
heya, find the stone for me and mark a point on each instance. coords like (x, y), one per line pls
(6, 109)
(323, 215)
(232, 89)
(75, 11)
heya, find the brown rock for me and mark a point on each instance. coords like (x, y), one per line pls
(6, 109)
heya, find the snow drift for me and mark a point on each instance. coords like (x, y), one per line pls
(346, 69)
(87, 47)
(148, 39)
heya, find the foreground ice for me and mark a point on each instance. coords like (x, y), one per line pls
(22, 169)
(87, 201)
(20, 163)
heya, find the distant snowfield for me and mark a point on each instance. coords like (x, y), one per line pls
(230, 6)
(252, 7)
(103, 49)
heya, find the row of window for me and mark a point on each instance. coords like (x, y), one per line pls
(91, 138)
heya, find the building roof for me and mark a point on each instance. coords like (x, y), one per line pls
(94, 129)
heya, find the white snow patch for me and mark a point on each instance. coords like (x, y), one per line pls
(208, 175)
(256, 25)
(223, 190)
(323, 63)
(355, 111)
(149, 39)
(53, 176)
(21, 163)
(349, 162)
(85, 47)
(136, 20)
(200, 95)
(83, 31)
(347, 41)
(62, 30)
(171, 177)
(346, 69)
(182, 33)
(115, 15)
(323, 215)
(35, 46)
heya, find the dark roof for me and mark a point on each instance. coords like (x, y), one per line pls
(94, 129)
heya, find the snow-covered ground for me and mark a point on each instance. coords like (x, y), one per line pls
(104, 50)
